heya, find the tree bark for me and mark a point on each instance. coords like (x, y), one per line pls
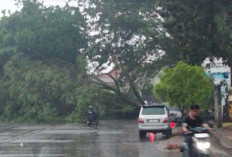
(217, 106)
(182, 111)
(132, 85)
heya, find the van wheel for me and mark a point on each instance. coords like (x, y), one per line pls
(168, 134)
(142, 134)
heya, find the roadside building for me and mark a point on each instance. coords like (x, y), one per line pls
(109, 77)
(221, 74)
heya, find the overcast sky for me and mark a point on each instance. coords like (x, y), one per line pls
(10, 4)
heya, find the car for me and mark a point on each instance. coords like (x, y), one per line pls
(175, 115)
(155, 119)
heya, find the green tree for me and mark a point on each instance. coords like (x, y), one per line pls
(41, 64)
(34, 90)
(37, 94)
(129, 36)
(42, 67)
(45, 33)
(183, 86)
(198, 29)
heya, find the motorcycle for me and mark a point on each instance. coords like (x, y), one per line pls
(200, 143)
(93, 124)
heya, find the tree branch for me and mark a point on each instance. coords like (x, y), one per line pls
(116, 83)
(120, 94)
(132, 84)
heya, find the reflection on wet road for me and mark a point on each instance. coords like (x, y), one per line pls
(113, 139)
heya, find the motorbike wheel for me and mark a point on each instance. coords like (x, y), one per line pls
(88, 123)
(95, 125)
(98, 125)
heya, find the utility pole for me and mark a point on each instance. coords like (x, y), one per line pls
(217, 105)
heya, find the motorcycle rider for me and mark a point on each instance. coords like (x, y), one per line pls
(91, 115)
(192, 120)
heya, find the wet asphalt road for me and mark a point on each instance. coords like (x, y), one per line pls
(113, 139)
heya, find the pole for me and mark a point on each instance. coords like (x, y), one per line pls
(217, 106)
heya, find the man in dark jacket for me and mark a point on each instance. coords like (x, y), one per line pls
(91, 115)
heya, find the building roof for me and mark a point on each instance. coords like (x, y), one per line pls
(115, 73)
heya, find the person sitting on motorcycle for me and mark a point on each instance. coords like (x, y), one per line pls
(193, 120)
(91, 115)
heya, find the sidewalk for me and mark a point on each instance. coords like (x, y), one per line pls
(224, 135)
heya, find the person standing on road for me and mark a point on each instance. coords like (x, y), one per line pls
(193, 120)
(91, 115)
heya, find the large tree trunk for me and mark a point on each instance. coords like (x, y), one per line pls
(132, 85)
(182, 111)
(217, 106)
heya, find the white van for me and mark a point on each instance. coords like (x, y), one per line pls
(154, 118)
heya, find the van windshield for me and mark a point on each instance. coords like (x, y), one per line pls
(153, 111)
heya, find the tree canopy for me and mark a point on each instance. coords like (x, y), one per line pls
(184, 85)
(44, 52)
(198, 29)
(128, 34)
(41, 32)
(43, 63)
(42, 68)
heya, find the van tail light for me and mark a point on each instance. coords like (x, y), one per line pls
(165, 120)
(140, 120)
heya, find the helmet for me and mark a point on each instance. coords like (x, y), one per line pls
(90, 107)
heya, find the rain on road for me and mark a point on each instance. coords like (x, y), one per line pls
(113, 139)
